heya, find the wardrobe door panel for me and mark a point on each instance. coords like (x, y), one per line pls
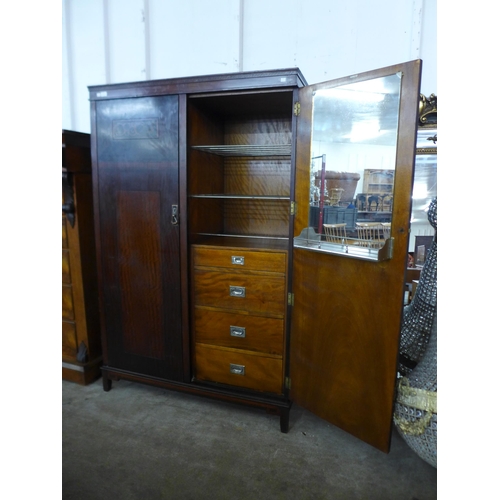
(138, 177)
(348, 298)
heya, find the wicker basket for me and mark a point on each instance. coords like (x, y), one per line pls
(347, 181)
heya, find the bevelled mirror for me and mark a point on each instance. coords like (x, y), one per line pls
(352, 171)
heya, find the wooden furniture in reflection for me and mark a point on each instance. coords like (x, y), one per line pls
(81, 345)
(377, 181)
(335, 233)
(412, 273)
(414, 285)
(373, 234)
(411, 281)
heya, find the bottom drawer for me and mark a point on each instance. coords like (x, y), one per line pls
(239, 369)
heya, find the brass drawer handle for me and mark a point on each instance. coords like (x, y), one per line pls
(237, 331)
(236, 291)
(237, 369)
(238, 260)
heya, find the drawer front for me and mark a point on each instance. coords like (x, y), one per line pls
(67, 303)
(239, 369)
(239, 259)
(240, 331)
(252, 293)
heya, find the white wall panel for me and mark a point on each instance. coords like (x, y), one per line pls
(428, 45)
(193, 37)
(67, 96)
(84, 32)
(269, 34)
(127, 42)
(326, 38)
(112, 41)
(383, 33)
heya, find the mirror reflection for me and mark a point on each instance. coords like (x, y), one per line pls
(424, 191)
(353, 166)
(425, 178)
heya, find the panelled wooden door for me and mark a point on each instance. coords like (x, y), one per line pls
(347, 312)
(137, 179)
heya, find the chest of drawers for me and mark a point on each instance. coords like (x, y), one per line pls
(239, 311)
(81, 342)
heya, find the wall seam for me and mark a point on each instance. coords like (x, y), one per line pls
(69, 63)
(147, 41)
(106, 38)
(416, 32)
(240, 34)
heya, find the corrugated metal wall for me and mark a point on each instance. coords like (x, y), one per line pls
(112, 41)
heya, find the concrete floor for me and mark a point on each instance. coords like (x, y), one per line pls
(140, 442)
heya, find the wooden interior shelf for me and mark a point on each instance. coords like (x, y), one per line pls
(243, 241)
(247, 150)
(239, 197)
(252, 237)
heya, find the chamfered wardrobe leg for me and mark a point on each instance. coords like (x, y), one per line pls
(106, 382)
(285, 420)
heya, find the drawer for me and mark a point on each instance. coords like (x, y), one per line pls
(240, 369)
(239, 258)
(240, 331)
(67, 303)
(252, 293)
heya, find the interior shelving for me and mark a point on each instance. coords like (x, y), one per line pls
(247, 149)
(239, 165)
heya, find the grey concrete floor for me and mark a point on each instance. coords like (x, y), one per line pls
(142, 442)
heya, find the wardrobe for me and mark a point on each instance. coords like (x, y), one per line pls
(212, 280)
(81, 337)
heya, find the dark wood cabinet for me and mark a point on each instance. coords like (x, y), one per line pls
(81, 341)
(137, 183)
(201, 191)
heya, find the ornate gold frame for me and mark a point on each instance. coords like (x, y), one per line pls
(427, 111)
(427, 119)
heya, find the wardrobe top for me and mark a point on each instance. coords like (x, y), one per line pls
(280, 78)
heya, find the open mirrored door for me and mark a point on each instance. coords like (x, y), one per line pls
(354, 173)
